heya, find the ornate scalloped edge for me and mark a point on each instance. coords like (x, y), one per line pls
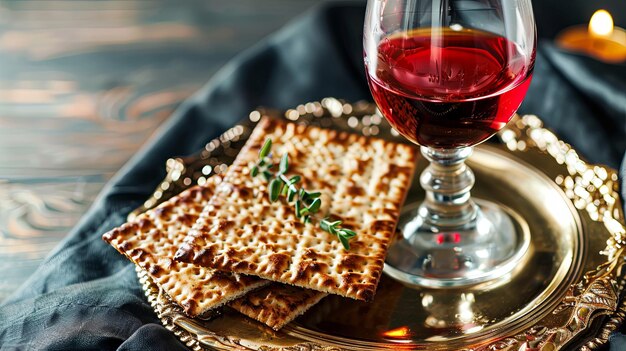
(164, 309)
(592, 188)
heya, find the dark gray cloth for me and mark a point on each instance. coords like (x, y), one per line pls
(86, 296)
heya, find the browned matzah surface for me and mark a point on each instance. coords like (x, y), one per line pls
(151, 240)
(363, 182)
(277, 304)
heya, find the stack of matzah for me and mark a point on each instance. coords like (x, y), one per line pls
(151, 240)
(241, 241)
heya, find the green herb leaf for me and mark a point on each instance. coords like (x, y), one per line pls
(315, 205)
(344, 242)
(324, 224)
(284, 163)
(275, 188)
(347, 233)
(306, 203)
(304, 211)
(284, 190)
(304, 196)
(265, 150)
(291, 194)
(298, 208)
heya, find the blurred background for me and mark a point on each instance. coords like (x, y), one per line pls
(83, 84)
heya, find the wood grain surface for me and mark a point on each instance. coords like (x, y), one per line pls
(83, 84)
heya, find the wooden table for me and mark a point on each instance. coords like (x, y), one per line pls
(83, 84)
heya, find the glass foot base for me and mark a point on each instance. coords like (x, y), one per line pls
(487, 249)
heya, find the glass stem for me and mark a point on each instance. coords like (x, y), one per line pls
(447, 182)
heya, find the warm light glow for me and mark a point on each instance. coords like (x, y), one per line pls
(466, 314)
(456, 27)
(601, 23)
(600, 39)
(401, 332)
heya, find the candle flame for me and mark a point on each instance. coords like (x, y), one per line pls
(601, 23)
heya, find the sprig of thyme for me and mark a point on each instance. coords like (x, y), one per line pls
(306, 204)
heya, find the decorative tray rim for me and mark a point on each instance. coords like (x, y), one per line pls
(592, 189)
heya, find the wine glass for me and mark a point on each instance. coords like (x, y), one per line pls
(447, 75)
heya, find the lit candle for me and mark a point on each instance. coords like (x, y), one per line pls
(601, 39)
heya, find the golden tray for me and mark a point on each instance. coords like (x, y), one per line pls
(567, 295)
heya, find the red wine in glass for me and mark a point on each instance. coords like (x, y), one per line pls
(443, 88)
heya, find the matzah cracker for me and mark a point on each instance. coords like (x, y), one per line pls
(151, 240)
(277, 304)
(363, 182)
